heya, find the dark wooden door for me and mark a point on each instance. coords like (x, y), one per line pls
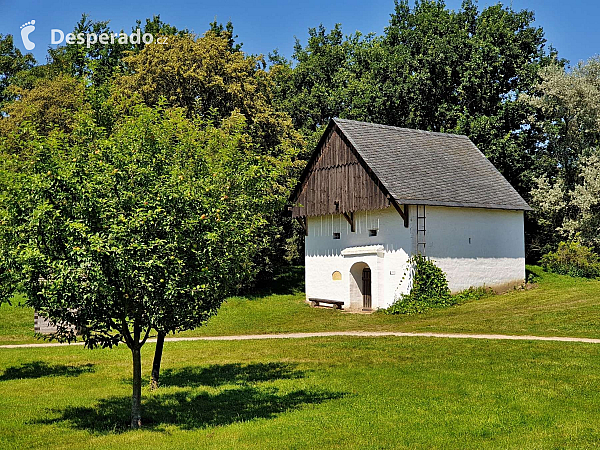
(366, 280)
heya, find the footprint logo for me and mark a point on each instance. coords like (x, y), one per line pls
(26, 30)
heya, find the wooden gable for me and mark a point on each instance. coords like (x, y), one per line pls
(337, 181)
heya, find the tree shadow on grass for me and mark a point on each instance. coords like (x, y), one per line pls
(190, 410)
(220, 374)
(40, 369)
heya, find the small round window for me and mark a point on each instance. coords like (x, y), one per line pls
(336, 276)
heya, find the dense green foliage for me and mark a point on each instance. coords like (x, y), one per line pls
(574, 259)
(429, 288)
(12, 63)
(428, 280)
(433, 69)
(51, 104)
(99, 62)
(567, 195)
(207, 79)
(149, 227)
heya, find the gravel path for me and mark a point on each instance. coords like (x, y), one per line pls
(247, 337)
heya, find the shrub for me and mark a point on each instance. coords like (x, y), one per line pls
(573, 259)
(430, 289)
(473, 293)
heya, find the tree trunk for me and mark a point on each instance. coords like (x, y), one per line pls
(136, 398)
(160, 342)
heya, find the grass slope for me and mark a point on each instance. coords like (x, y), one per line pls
(308, 393)
(16, 322)
(342, 392)
(557, 306)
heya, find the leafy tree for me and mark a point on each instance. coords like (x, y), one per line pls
(37, 93)
(156, 27)
(51, 104)
(313, 91)
(96, 63)
(99, 62)
(206, 78)
(226, 32)
(210, 78)
(565, 197)
(570, 213)
(567, 107)
(12, 64)
(149, 227)
(573, 259)
(433, 69)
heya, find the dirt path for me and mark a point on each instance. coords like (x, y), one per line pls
(246, 337)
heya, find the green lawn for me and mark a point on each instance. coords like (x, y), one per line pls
(309, 393)
(556, 306)
(342, 392)
(16, 323)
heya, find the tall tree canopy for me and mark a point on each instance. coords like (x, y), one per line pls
(434, 69)
(99, 62)
(208, 78)
(566, 196)
(51, 104)
(12, 63)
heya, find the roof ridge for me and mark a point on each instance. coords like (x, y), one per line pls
(412, 130)
(448, 167)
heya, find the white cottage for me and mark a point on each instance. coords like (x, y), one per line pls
(372, 195)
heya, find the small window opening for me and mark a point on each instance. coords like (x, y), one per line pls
(336, 235)
(372, 233)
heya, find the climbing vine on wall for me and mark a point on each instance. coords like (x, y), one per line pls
(429, 289)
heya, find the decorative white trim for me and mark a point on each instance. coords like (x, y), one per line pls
(378, 250)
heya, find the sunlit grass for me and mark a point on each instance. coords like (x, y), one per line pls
(342, 392)
(556, 306)
(309, 393)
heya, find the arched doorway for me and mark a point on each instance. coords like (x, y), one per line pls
(360, 286)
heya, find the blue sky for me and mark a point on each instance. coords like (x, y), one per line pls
(572, 27)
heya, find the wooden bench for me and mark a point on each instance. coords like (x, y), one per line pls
(316, 301)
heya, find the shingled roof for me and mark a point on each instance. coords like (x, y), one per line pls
(427, 168)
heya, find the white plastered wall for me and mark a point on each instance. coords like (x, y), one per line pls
(385, 254)
(474, 246)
